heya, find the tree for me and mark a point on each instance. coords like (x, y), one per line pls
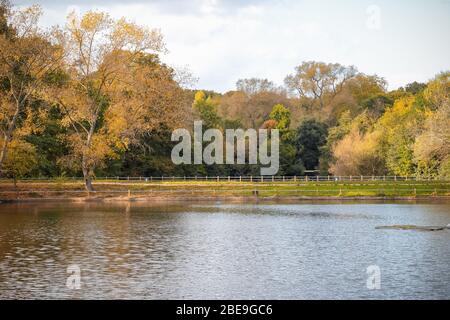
(319, 81)
(361, 124)
(106, 100)
(20, 160)
(398, 128)
(207, 110)
(251, 110)
(358, 154)
(282, 116)
(431, 147)
(27, 56)
(311, 136)
(415, 87)
(253, 86)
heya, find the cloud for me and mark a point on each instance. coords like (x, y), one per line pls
(222, 41)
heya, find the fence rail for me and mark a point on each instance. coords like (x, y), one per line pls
(240, 178)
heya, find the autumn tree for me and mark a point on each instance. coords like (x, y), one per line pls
(253, 86)
(432, 147)
(251, 110)
(281, 115)
(20, 160)
(27, 56)
(358, 154)
(399, 126)
(110, 91)
(319, 81)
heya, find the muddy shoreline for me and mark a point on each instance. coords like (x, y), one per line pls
(237, 199)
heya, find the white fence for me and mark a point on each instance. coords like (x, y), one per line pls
(240, 178)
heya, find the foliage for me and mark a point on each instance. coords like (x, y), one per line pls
(94, 98)
(282, 116)
(20, 160)
(311, 136)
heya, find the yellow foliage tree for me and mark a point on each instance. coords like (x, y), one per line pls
(398, 128)
(20, 160)
(27, 56)
(115, 89)
(358, 154)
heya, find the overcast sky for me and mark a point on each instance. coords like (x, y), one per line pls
(221, 41)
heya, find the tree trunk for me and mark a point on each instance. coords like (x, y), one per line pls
(86, 175)
(88, 184)
(8, 136)
(3, 152)
(87, 172)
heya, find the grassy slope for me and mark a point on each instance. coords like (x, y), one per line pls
(61, 188)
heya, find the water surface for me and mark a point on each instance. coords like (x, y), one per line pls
(226, 251)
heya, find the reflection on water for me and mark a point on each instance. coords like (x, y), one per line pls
(199, 251)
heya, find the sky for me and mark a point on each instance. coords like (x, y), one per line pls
(221, 41)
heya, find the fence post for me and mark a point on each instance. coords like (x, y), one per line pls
(273, 179)
(317, 178)
(218, 179)
(262, 178)
(306, 178)
(229, 179)
(240, 178)
(283, 179)
(251, 178)
(295, 178)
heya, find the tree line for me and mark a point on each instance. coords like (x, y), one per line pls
(93, 98)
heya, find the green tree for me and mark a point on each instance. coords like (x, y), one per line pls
(311, 136)
(20, 160)
(206, 109)
(399, 127)
(432, 147)
(282, 116)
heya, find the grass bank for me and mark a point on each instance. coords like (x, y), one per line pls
(145, 190)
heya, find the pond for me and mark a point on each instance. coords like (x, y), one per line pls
(220, 250)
